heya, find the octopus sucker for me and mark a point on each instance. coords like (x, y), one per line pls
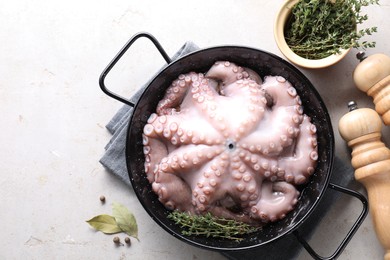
(230, 143)
(152, 117)
(145, 139)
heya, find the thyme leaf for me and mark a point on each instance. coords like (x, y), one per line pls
(320, 28)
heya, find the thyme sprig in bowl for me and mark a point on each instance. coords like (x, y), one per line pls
(319, 33)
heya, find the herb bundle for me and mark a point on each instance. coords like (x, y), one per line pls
(320, 28)
(211, 226)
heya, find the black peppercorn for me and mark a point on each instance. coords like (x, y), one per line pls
(116, 240)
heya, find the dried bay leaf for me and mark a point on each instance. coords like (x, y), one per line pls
(105, 223)
(125, 220)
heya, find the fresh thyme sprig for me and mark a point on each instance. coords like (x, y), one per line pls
(211, 226)
(320, 28)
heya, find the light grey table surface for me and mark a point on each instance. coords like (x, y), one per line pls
(53, 116)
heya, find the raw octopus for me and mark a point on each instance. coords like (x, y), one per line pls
(229, 143)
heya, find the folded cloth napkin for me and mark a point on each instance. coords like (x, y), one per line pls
(114, 158)
(115, 161)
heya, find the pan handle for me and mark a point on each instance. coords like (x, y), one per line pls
(119, 56)
(351, 232)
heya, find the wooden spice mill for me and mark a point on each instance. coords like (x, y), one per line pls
(361, 128)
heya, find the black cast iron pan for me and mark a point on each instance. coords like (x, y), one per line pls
(263, 63)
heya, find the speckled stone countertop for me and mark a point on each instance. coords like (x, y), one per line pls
(53, 116)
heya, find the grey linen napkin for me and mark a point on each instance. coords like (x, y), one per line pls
(114, 158)
(114, 161)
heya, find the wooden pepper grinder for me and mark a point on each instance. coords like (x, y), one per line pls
(372, 76)
(361, 128)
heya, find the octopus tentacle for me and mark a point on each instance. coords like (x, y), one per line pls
(266, 167)
(176, 92)
(300, 165)
(178, 169)
(207, 187)
(188, 159)
(285, 129)
(168, 183)
(176, 131)
(277, 199)
(227, 72)
(280, 91)
(245, 188)
(154, 151)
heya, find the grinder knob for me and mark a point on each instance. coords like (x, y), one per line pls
(361, 128)
(372, 76)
